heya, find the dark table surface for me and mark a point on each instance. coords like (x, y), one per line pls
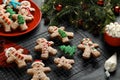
(82, 70)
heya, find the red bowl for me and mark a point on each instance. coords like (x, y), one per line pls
(115, 42)
(32, 24)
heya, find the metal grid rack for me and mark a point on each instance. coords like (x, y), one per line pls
(56, 73)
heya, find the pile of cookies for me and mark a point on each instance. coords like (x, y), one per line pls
(45, 48)
(14, 15)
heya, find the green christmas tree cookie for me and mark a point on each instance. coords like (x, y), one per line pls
(68, 49)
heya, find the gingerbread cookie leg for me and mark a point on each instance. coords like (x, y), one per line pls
(95, 53)
(87, 52)
(44, 54)
(21, 64)
(65, 39)
(23, 27)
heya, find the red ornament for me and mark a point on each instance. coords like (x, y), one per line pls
(58, 7)
(80, 22)
(117, 9)
(100, 2)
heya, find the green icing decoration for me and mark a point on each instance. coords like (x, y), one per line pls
(62, 33)
(20, 19)
(68, 49)
(10, 10)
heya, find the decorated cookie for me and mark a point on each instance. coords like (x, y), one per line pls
(64, 63)
(20, 23)
(45, 48)
(11, 12)
(25, 10)
(70, 50)
(61, 33)
(17, 56)
(12, 3)
(89, 48)
(38, 71)
(6, 21)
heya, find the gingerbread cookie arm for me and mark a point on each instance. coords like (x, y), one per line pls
(52, 51)
(32, 9)
(62, 28)
(95, 45)
(10, 59)
(30, 71)
(87, 52)
(37, 48)
(70, 34)
(81, 46)
(71, 61)
(46, 69)
(28, 57)
(54, 34)
(20, 51)
(50, 43)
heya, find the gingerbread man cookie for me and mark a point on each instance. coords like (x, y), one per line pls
(19, 23)
(25, 10)
(38, 71)
(89, 48)
(17, 56)
(6, 21)
(61, 33)
(64, 63)
(45, 47)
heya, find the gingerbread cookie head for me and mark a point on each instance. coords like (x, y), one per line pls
(89, 48)
(25, 3)
(51, 29)
(17, 56)
(41, 40)
(64, 63)
(37, 63)
(9, 51)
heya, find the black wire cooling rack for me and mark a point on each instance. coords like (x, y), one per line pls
(80, 65)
